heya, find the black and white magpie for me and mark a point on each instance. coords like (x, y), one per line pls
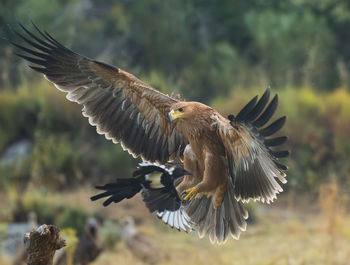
(155, 182)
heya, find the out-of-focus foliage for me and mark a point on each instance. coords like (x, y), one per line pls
(48, 208)
(74, 218)
(66, 150)
(110, 234)
(70, 236)
(200, 48)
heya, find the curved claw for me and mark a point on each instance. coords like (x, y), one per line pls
(190, 193)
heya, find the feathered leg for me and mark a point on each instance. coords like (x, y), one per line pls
(190, 164)
(220, 193)
(214, 166)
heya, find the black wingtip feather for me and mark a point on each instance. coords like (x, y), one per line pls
(246, 109)
(32, 59)
(41, 33)
(281, 166)
(34, 44)
(267, 114)
(55, 41)
(32, 52)
(276, 141)
(48, 37)
(39, 69)
(280, 154)
(259, 106)
(47, 45)
(273, 127)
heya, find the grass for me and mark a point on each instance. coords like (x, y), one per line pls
(291, 231)
(282, 242)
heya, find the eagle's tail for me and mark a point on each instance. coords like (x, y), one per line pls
(228, 218)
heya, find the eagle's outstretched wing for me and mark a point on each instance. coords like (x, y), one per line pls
(122, 107)
(253, 165)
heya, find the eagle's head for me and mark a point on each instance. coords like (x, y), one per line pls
(187, 110)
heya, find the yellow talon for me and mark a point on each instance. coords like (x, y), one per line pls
(191, 193)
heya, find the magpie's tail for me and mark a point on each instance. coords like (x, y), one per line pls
(118, 191)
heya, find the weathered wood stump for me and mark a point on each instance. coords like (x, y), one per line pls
(42, 243)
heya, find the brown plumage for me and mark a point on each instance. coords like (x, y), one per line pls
(230, 159)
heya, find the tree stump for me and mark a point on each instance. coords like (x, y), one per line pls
(42, 243)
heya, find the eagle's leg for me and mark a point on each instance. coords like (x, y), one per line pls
(220, 192)
(214, 180)
(190, 164)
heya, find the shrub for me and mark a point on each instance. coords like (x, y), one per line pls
(110, 234)
(73, 217)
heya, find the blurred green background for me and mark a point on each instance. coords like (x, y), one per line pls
(218, 52)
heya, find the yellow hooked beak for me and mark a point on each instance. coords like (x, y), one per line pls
(173, 115)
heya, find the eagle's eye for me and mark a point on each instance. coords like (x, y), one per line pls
(181, 109)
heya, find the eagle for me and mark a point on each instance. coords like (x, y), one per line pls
(231, 159)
